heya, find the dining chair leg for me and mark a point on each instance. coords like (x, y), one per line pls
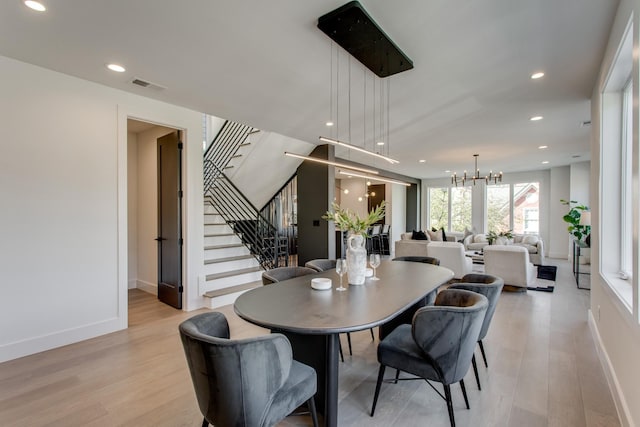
(372, 337)
(378, 384)
(340, 348)
(397, 376)
(475, 371)
(447, 394)
(205, 423)
(349, 341)
(484, 356)
(464, 393)
(311, 403)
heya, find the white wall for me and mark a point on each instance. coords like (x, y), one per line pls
(616, 331)
(559, 238)
(580, 177)
(63, 178)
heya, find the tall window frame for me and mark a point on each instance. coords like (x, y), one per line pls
(449, 198)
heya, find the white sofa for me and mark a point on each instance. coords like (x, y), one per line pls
(531, 242)
(406, 246)
(511, 263)
(451, 256)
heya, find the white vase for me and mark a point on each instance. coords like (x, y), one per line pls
(356, 259)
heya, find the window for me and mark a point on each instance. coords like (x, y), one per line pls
(439, 208)
(498, 208)
(617, 202)
(450, 208)
(513, 207)
(460, 209)
(525, 208)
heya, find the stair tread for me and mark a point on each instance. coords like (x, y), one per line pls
(220, 235)
(228, 245)
(226, 259)
(233, 273)
(232, 289)
(215, 223)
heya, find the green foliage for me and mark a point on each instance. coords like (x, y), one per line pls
(349, 221)
(492, 235)
(573, 218)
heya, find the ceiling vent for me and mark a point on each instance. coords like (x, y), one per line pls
(147, 84)
(586, 123)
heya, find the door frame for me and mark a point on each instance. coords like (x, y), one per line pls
(189, 122)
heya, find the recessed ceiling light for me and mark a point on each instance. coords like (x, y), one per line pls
(542, 147)
(117, 68)
(447, 171)
(536, 118)
(545, 162)
(35, 5)
(346, 191)
(537, 75)
(329, 123)
(380, 143)
(422, 160)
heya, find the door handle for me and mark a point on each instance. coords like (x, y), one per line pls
(159, 239)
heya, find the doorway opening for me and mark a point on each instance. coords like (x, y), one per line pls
(149, 239)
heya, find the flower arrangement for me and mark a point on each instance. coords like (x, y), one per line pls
(349, 221)
(492, 236)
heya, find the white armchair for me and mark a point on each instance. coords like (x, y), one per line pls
(451, 256)
(511, 263)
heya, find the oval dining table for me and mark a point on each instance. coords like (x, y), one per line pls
(313, 319)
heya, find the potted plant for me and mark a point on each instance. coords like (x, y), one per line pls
(356, 228)
(573, 218)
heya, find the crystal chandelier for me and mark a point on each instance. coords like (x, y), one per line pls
(495, 177)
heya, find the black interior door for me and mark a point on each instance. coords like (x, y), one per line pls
(170, 219)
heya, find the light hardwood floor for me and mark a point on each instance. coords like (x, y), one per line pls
(543, 371)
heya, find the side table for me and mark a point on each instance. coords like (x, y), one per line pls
(577, 246)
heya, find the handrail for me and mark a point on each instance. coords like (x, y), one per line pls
(255, 231)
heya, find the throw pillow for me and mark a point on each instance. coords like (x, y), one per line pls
(419, 235)
(530, 240)
(467, 233)
(480, 238)
(435, 236)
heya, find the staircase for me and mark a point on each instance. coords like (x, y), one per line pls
(239, 242)
(229, 266)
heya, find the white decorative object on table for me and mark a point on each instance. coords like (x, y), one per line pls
(321, 283)
(356, 259)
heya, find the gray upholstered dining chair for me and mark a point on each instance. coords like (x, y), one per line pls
(284, 273)
(424, 259)
(439, 345)
(407, 316)
(321, 264)
(491, 287)
(247, 382)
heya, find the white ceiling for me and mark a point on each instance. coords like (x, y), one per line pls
(266, 64)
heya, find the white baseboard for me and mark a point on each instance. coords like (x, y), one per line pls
(618, 398)
(149, 287)
(131, 284)
(34, 345)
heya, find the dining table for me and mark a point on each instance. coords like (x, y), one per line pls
(313, 319)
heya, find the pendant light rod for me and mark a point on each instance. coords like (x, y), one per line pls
(356, 148)
(376, 178)
(330, 163)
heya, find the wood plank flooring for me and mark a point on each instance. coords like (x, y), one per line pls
(543, 371)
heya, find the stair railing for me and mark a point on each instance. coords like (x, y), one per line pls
(256, 233)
